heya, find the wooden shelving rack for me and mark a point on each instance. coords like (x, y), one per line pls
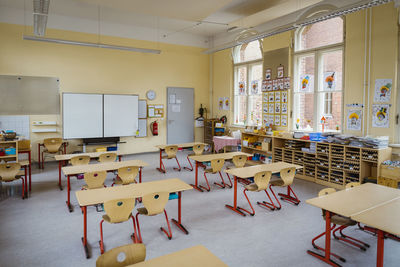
(252, 150)
(9, 144)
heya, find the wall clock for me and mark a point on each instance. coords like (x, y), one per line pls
(151, 95)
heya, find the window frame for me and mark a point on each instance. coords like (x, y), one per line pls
(247, 64)
(317, 52)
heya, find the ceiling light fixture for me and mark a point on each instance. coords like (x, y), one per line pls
(98, 45)
(40, 13)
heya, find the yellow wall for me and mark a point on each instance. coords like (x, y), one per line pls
(95, 70)
(384, 54)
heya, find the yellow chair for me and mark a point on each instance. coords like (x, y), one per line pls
(122, 256)
(171, 154)
(197, 150)
(24, 145)
(154, 204)
(80, 160)
(94, 179)
(216, 167)
(287, 177)
(10, 172)
(107, 157)
(117, 211)
(239, 161)
(353, 184)
(342, 222)
(52, 146)
(126, 175)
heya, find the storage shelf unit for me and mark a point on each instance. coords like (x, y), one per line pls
(9, 144)
(333, 165)
(210, 131)
(264, 150)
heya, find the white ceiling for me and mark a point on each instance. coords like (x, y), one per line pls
(190, 22)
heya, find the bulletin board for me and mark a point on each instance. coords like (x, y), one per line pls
(155, 111)
(276, 87)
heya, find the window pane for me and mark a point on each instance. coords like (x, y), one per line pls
(303, 111)
(334, 115)
(241, 80)
(255, 110)
(305, 68)
(322, 33)
(240, 109)
(331, 76)
(247, 52)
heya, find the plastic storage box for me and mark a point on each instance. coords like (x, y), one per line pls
(315, 136)
(10, 151)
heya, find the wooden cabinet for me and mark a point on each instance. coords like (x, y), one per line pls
(256, 143)
(5, 147)
(210, 130)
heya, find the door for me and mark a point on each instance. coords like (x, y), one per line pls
(180, 115)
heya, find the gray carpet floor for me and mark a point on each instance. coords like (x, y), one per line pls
(39, 231)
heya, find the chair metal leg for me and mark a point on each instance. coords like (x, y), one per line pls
(348, 239)
(190, 163)
(251, 206)
(139, 240)
(42, 160)
(177, 169)
(288, 197)
(230, 181)
(322, 249)
(272, 191)
(134, 235)
(23, 188)
(223, 185)
(266, 204)
(101, 237)
(208, 188)
(169, 233)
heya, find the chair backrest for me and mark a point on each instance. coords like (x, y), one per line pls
(80, 160)
(24, 145)
(239, 160)
(108, 157)
(155, 202)
(261, 179)
(52, 144)
(353, 184)
(217, 164)
(128, 174)
(198, 149)
(287, 175)
(122, 256)
(8, 171)
(95, 179)
(171, 151)
(119, 210)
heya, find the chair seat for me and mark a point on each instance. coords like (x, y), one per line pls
(47, 151)
(168, 157)
(340, 220)
(142, 211)
(107, 218)
(277, 183)
(87, 187)
(251, 187)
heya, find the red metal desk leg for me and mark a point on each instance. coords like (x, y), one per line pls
(84, 238)
(30, 169)
(178, 222)
(327, 258)
(39, 155)
(140, 175)
(26, 182)
(235, 207)
(70, 208)
(65, 148)
(379, 258)
(60, 163)
(160, 168)
(196, 177)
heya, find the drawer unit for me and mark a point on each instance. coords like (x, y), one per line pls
(322, 174)
(298, 158)
(337, 164)
(322, 149)
(337, 177)
(288, 156)
(352, 154)
(337, 151)
(351, 167)
(309, 171)
(370, 155)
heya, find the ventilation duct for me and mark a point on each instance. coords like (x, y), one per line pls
(40, 13)
(339, 12)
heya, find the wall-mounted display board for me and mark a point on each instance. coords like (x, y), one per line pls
(26, 95)
(142, 109)
(142, 128)
(155, 111)
(98, 115)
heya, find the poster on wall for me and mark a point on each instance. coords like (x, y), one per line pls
(280, 72)
(284, 120)
(286, 83)
(284, 108)
(265, 108)
(265, 97)
(380, 115)
(277, 120)
(242, 88)
(306, 83)
(284, 98)
(277, 96)
(269, 85)
(265, 119)
(254, 87)
(354, 119)
(383, 90)
(271, 119)
(220, 103)
(264, 86)
(268, 74)
(274, 85)
(226, 103)
(329, 81)
(277, 107)
(271, 107)
(280, 84)
(271, 97)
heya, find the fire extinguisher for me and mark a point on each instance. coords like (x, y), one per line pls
(154, 128)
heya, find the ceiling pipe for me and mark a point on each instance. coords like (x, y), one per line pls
(40, 13)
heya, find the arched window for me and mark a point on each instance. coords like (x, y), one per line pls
(248, 70)
(318, 76)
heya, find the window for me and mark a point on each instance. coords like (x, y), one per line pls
(318, 76)
(248, 70)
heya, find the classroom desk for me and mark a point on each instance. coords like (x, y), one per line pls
(66, 157)
(41, 164)
(197, 256)
(349, 203)
(98, 196)
(249, 172)
(180, 146)
(208, 157)
(28, 151)
(385, 218)
(110, 166)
